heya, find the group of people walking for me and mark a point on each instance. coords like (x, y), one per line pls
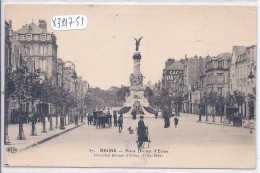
(117, 121)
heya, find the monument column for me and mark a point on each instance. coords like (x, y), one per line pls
(137, 57)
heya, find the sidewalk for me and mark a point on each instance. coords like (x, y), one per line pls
(41, 137)
(217, 120)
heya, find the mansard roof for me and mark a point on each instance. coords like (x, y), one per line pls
(175, 66)
(224, 56)
(239, 50)
(31, 29)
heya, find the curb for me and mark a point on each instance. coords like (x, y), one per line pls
(48, 138)
(211, 123)
(230, 125)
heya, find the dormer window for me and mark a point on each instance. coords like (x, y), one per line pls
(21, 37)
(43, 37)
(36, 37)
(220, 63)
(28, 37)
(15, 36)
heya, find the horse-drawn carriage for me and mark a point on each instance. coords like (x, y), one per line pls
(233, 115)
(101, 119)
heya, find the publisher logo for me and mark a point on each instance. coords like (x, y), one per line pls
(11, 150)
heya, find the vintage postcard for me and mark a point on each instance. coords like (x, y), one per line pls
(130, 86)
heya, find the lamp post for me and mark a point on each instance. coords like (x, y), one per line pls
(251, 76)
(56, 108)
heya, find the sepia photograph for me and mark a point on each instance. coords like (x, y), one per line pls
(130, 86)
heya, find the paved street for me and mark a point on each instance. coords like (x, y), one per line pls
(191, 144)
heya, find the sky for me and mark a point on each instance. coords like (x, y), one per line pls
(103, 52)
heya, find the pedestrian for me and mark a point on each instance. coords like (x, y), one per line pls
(166, 121)
(156, 115)
(200, 112)
(235, 119)
(121, 115)
(120, 123)
(134, 114)
(110, 118)
(76, 118)
(141, 132)
(176, 120)
(89, 119)
(115, 118)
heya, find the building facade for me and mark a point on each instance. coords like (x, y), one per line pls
(172, 80)
(40, 47)
(243, 77)
(216, 77)
(193, 69)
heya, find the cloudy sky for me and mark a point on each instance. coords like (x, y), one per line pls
(103, 51)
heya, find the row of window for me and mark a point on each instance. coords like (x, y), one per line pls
(242, 72)
(215, 79)
(249, 55)
(216, 64)
(40, 50)
(30, 37)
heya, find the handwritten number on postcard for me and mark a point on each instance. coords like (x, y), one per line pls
(71, 22)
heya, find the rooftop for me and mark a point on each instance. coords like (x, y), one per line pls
(175, 66)
(239, 50)
(31, 29)
(224, 56)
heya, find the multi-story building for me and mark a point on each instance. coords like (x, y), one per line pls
(242, 76)
(41, 53)
(193, 69)
(40, 46)
(172, 80)
(216, 77)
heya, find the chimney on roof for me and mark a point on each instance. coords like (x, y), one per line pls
(186, 56)
(42, 24)
(10, 28)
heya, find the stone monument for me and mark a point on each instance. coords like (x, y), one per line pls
(136, 99)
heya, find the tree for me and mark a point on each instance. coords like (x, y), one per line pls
(178, 99)
(9, 91)
(148, 92)
(220, 103)
(122, 93)
(57, 98)
(212, 102)
(34, 90)
(19, 86)
(205, 100)
(44, 97)
(164, 101)
(230, 100)
(239, 97)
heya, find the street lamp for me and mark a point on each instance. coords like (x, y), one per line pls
(251, 76)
